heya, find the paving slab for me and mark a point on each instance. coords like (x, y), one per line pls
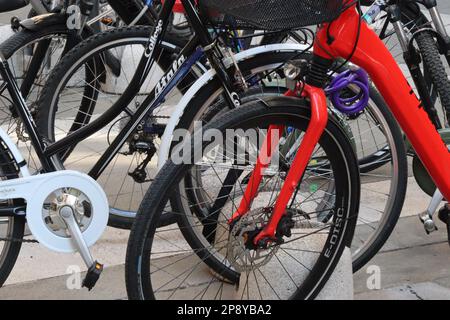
(409, 258)
(111, 286)
(36, 262)
(417, 291)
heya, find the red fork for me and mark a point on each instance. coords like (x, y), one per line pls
(316, 127)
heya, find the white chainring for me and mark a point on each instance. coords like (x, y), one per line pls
(36, 189)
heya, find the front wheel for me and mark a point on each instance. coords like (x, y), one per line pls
(379, 146)
(190, 263)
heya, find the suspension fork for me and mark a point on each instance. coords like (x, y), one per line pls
(316, 127)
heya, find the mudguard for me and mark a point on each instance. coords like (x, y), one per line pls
(44, 20)
(335, 116)
(179, 110)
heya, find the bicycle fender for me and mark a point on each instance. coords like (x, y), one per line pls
(44, 20)
(333, 115)
(180, 108)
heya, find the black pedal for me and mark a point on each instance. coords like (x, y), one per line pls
(15, 23)
(445, 218)
(92, 275)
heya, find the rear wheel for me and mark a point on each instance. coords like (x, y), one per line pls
(68, 95)
(83, 87)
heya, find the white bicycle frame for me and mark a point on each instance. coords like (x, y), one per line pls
(36, 188)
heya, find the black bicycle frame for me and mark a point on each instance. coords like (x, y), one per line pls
(200, 46)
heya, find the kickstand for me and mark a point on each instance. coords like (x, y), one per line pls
(444, 217)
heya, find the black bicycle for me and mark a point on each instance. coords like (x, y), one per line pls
(39, 42)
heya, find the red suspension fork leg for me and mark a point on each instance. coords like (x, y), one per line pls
(262, 163)
(319, 119)
(269, 145)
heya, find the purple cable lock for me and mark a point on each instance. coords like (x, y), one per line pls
(349, 105)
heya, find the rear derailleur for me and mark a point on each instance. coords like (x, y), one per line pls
(140, 174)
(142, 142)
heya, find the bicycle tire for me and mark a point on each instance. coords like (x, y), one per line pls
(435, 69)
(138, 250)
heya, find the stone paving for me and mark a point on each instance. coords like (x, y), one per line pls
(413, 265)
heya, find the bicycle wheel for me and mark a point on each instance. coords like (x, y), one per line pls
(193, 266)
(60, 103)
(82, 87)
(383, 166)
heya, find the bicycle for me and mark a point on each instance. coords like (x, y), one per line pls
(48, 152)
(266, 228)
(132, 170)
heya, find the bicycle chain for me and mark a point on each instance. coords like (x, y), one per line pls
(25, 139)
(160, 117)
(18, 240)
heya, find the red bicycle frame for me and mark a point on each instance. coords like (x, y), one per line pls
(370, 53)
(177, 7)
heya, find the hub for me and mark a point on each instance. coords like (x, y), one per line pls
(243, 255)
(62, 201)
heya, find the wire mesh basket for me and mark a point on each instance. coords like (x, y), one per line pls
(271, 15)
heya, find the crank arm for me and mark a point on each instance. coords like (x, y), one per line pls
(94, 268)
(74, 230)
(427, 216)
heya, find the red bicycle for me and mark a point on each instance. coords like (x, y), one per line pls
(259, 242)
